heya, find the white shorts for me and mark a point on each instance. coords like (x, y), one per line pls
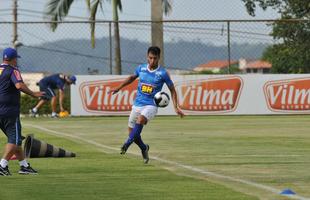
(149, 112)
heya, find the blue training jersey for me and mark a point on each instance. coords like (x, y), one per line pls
(150, 82)
(55, 81)
(9, 94)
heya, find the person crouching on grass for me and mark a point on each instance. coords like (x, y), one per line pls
(48, 85)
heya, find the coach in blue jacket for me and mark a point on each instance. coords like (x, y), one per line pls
(11, 83)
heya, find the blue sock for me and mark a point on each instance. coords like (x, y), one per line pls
(140, 143)
(135, 133)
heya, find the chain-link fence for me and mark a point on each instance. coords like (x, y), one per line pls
(187, 44)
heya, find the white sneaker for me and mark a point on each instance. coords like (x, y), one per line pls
(32, 113)
(54, 116)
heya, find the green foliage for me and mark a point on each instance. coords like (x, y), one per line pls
(27, 102)
(284, 60)
(201, 72)
(234, 69)
(292, 54)
(206, 72)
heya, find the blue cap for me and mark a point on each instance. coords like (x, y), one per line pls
(72, 79)
(10, 53)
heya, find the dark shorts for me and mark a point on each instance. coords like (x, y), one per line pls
(12, 129)
(49, 93)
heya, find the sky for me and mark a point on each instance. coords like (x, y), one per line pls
(37, 35)
(140, 10)
(32, 10)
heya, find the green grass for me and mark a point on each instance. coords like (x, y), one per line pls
(270, 150)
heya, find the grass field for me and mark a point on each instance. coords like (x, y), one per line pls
(205, 157)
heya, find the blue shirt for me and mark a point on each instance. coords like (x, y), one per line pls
(9, 94)
(150, 82)
(55, 81)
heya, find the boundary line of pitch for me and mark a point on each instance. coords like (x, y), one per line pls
(180, 165)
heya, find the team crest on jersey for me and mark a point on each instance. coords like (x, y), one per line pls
(157, 75)
(145, 88)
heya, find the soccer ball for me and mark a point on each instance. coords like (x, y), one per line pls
(161, 99)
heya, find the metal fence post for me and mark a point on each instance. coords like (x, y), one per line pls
(228, 46)
(110, 47)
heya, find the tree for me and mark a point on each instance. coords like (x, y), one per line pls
(117, 4)
(56, 10)
(292, 54)
(158, 8)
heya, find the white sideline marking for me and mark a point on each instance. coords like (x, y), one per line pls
(256, 155)
(188, 167)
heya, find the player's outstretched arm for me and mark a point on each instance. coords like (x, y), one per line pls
(127, 81)
(22, 87)
(175, 101)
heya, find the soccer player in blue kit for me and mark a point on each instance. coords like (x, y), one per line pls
(152, 77)
(11, 83)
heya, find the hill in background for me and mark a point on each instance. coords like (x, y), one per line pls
(77, 56)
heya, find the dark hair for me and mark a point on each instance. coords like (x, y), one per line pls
(154, 50)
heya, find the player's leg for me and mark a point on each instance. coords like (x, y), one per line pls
(146, 114)
(47, 96)
(9, 150)
(149, 112)
(53, 105)
(52, 96)
(39, 104)
(33, 111)
(138, 140)
(25, 167)
(12, 129)
(4, 170)
(135, 113)
(135, 133)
